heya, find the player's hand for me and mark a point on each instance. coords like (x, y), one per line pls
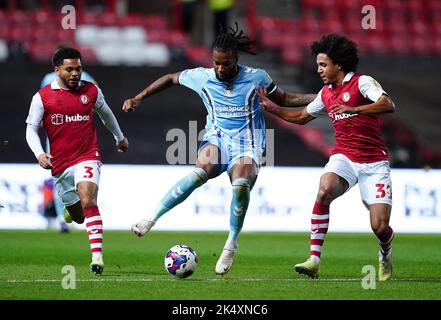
(44, 160)
(266, 104)
(262, 92)
(130, 104)
(340, 108)
(122, 145)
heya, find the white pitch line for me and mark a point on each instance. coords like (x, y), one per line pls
(328, 279)
(172, 279)
(78, 280)
(220, 279)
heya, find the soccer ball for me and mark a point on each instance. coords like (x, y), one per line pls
(181, 261)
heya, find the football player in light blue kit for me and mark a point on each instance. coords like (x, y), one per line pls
(235, 131)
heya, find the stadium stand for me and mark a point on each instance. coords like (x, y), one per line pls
(151, 38)
(102, 33)
(415, 26)
(414, 34)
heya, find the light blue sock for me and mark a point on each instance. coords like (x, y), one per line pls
(180, 191)
(238, 209)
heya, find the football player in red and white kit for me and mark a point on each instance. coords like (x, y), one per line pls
(353, 102)
(65, 109)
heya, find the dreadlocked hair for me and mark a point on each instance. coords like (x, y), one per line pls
(233, 40)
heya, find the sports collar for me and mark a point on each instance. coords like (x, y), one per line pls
(56, 86)
(347, 77)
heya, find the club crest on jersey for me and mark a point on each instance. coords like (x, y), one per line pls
(84, 99)
(346, 96)
(229, 92)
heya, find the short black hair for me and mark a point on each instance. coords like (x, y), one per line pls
(64, 53)
(339, 49)
(233, 40)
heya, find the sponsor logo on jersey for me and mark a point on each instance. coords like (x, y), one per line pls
(231, 111)
(346, 96)
(84, 99)
(77, 117)
(229, 108)
(341, 116)
(58, 119)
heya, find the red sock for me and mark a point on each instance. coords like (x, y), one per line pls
(319, 228)
(386, 241)
(94, 227)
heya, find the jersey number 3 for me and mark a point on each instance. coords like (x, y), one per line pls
(381, 193)
(88, 173)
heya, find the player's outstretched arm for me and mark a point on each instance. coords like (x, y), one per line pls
(110, 122)
(157, 86)
(290, 99)
(383, 105)
(299, 116)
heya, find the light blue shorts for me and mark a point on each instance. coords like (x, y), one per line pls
(231, 151)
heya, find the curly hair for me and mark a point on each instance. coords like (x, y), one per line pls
(233, 40)
(64, 53)
(339, 49)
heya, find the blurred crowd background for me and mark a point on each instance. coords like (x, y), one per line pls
(126, 44)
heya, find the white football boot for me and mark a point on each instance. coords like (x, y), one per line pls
(225, 261)
(142, 227)
(385, 266)
(97, 266)
(309, 267)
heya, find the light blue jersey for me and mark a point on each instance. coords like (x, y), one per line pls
(235, 121)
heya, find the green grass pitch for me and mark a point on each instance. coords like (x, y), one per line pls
(31, 265)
